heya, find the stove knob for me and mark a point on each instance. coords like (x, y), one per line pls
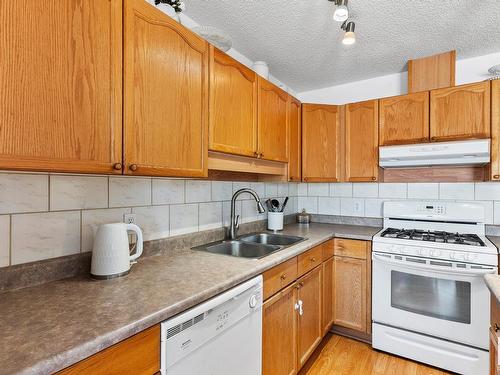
(435, 253)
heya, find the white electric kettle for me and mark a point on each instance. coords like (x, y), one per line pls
(111, 252)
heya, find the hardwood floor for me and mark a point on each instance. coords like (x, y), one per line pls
(338, 355)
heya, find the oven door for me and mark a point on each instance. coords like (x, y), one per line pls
(431, 297)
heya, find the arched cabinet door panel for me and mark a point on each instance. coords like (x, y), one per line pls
(166, 79)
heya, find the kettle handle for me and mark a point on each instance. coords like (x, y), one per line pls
(138, 247)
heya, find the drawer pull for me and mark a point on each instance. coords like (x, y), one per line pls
(117, 166)
(496, 177)
(298, 306)
(283, 276)
(496, 327)
(133, 167)
(312, 260)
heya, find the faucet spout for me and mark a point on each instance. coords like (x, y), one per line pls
(233, 228)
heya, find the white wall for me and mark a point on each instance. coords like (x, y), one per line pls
(467, 70)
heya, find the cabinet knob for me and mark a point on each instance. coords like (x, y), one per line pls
(312, 260)
(133, 167)
(496, 177)
(117, 166)
(256, 154)
(283, 276)
(433, 138)
(496, 327)
(301, 284)
(374, 178)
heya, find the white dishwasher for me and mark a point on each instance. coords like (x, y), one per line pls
(222, 336)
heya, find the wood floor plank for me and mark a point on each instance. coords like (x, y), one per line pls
(339, 355)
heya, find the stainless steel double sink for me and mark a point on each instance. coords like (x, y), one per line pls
(255, 245)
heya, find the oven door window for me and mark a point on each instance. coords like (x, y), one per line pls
(430, 296)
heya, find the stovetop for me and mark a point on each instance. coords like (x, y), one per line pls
(434, 236)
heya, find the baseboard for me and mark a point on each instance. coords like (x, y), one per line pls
(351, 333)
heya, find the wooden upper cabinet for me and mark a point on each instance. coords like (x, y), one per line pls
(460, 112)
(404, 119)
(60, 102)
(233, 110)
(166, 95)
(320, 142)
(295, 140)
(361, 141)
(273, 122)
(310, 329)
(279, 334)
(495, 130)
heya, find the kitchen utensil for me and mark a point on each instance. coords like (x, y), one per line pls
(268, 205)
(111, 252)
(303, 217)
(284, 205)
(275, 204)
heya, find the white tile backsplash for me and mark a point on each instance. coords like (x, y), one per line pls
(168, 191)
(210, 215)
(78, 192)
(423, 191)
(44, 235)
(91, 219)
(318, 190)
(183, 219)
(4, 240)
(23, 193)
(154, 221)
(343, 189)
(198, 191)
(328, 206)
(456, 191)
(161, 209)
(365, 190)
(129, 191)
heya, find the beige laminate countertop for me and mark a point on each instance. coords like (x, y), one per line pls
(492, 280)
(49, 327)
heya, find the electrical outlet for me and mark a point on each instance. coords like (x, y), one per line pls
(129, 218)
(357, 208)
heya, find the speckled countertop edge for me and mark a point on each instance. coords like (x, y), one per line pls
(49, 327)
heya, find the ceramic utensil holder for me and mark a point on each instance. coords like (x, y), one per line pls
(275, 221)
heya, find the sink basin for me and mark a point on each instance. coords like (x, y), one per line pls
(271, 239)
(256, 245)
(239, 249)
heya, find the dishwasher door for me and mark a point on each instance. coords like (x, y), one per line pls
(222, 336)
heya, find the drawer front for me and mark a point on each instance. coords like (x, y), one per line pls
(310, 259)
(327, 250)
(350, 248)
(279, 277)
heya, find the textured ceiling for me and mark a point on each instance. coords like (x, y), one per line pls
(302, 44)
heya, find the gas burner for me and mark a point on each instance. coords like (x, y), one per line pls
(433, 236)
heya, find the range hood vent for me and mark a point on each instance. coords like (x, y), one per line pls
(461, 153)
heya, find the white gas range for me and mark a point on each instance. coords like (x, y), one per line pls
(429, 299)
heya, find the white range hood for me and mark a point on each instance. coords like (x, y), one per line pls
(472, 152)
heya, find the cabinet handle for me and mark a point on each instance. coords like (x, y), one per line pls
(301, 284)
(299, 307)
(256, 154)
(496, 327)
(496, 177)
(133, 167)
(312, 260)
(117, 166)
(261, 155)
(283, 276)
(374, 178)
(433, 138)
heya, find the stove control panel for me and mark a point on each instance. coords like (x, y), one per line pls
(434, 209)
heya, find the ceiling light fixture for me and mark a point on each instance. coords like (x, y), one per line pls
(349, 36)
(341, 13)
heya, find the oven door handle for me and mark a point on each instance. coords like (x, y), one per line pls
(453, 271)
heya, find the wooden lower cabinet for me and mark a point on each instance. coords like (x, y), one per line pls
(279, 333)
(310, 329)
(328, 307)
(494, 335)
(138, 355)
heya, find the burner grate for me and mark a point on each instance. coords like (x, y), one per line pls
(433, 236)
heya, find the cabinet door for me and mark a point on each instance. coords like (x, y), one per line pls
(320, 142)
(495, 130)
(404, 119)
(327, 286)
(461, 112)
(233, 111)
(310, 331)
(350, 293)
(279, 334)
(60, 102)
(295, 141)
(273, 123)
(361, 139)
(166, 95)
